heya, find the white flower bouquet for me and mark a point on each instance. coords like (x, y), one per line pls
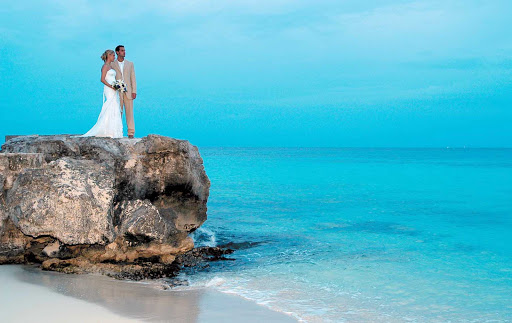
(120, 85)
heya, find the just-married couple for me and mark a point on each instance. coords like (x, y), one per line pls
(119, 91)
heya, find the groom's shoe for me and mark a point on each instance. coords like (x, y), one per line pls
(130, 136)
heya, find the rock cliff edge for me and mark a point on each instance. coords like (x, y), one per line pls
(121, 207)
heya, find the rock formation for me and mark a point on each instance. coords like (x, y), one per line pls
(122, 207)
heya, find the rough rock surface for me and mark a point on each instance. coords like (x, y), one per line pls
(122, 207)
(68, 199)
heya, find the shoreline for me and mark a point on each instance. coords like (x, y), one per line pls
(55, 297)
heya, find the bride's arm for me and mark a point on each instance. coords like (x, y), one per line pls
(104, 71)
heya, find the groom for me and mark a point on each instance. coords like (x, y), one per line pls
(125, 71)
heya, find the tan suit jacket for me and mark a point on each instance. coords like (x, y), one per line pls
(128, 76)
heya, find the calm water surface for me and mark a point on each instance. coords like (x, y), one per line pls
(422, 235)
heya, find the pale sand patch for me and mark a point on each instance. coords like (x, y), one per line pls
(31, 295)
(25, 302)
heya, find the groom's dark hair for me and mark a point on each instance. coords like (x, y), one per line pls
(118, 47)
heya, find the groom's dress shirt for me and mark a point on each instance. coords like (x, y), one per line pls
(128, 77)
(121, 65)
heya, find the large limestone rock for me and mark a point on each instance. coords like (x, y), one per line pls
(99, 201)
(68, 199)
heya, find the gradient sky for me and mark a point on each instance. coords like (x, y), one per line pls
(386, 73)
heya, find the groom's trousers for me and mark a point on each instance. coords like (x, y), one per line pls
(127, 106)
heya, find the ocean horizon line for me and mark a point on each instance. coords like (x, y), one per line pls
(356, 147)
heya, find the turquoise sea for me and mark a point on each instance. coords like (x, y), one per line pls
(362, 235)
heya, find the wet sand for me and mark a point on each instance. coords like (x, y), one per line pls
(28, 294)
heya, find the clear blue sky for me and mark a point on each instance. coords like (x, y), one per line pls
(390, 73)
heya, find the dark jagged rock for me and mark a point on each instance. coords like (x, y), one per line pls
(241, 245)
(117, 206)
(203, 255)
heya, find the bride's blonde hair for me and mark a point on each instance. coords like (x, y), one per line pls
(106, 53)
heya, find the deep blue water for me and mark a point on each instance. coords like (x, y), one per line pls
(353, 235)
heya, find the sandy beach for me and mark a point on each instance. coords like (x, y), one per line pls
(28, 294)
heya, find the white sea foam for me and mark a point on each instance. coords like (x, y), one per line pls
(215, 282)
(266, 298)
(204, 237)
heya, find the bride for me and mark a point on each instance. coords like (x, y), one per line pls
(109, 122)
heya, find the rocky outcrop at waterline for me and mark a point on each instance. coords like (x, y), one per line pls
(121, 207)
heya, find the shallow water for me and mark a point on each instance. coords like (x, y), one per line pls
(353, 235)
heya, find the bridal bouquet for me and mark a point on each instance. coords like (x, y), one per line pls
(120, 85)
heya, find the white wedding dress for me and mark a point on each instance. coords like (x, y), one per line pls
(110, 123)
